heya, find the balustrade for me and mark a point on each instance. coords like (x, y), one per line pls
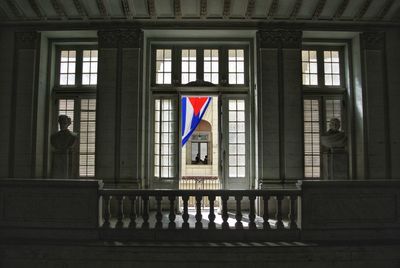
(145, 209)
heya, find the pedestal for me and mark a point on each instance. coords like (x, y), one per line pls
(335, 164)
(61, 165)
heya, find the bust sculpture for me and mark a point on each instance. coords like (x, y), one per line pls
(334, 138)
(63, 143)
(64, 139)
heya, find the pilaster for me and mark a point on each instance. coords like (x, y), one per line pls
(119, 105)
(376, 125)
(280, 105)
(23, 131)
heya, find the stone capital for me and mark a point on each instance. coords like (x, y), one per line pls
(27, 40)
(373, 40)
(131, 38)
(108, 38)
(279, 38)
(125, 38)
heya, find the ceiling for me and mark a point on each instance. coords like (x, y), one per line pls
(48, 11)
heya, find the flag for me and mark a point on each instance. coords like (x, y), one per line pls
(193, 109)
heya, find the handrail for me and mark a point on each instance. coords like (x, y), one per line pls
(180, 192)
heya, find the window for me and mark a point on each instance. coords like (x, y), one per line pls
(323, 94)
(75, 96)
(180, 65)
(237, 138)
(164, 138)
(193, 68)
(200, 149)
(76, 67)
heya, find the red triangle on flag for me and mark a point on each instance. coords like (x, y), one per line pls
(197, 103)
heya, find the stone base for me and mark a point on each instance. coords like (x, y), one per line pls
(335, 165)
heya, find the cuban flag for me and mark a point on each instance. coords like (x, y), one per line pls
(193, 109)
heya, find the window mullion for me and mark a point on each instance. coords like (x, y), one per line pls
(176, 66)
(320, 65)
(78, 74)
(200, 64)
(223, 66)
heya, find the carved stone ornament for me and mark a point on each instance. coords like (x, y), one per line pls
(279, 38)
(108, 38)
(120, 38)
(131, 38)
(373, 40)
(27, 40)
(200, 83)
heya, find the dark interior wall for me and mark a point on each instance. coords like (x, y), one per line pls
(6, 75)
(393, 78)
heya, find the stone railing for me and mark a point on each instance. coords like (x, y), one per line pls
(136, 212)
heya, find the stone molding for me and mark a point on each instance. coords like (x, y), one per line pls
(200, 83)
(373, 40)
(27, 40)
(279, 38)
(124, 38)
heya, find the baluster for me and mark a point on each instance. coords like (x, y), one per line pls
(266, 224)
(199, 224)
(120, 212)
(279, 222)
(145, 214)
(292, 223)
(159, 215)
(106, 223)
(171, 216)
(211, 216)
(238, 216)
(185, 215)
(132, 215)
(225, 216)
(252, 213)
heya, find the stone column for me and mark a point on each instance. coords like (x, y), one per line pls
(118, 146)
(279, 92)
(375, 100)
(23, 131)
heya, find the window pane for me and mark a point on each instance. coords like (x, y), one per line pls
(332, 68)
(163, 66)
(309, 67)
(311, 138)
(211, 65)
(89, 67)
(236, 66)
(67, 67)
(87, 133)
(188, 66)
